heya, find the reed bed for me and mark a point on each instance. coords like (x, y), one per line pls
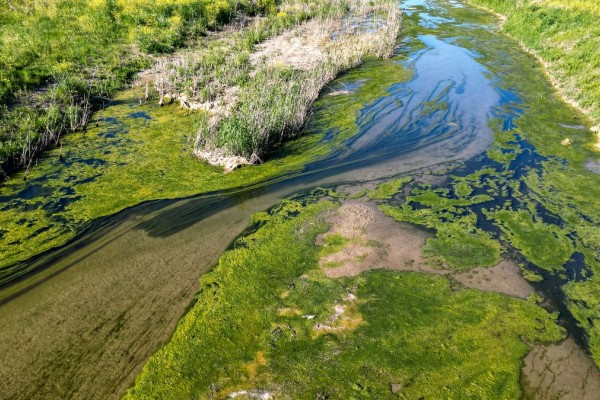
(254, 96)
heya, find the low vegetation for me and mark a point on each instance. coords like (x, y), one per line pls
(545, 245)
(543, 180)
(459, 243)
(49, 85)
(389, 188)
(267, 323)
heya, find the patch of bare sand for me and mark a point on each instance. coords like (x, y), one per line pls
(378, 241)
(504, 277)
(560, 371)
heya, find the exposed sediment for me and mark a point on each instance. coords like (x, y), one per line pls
(560, 371)
(372, 240)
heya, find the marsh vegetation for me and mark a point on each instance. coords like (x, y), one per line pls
(60, 59)
(267, 321)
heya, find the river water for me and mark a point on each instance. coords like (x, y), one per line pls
(84, 324)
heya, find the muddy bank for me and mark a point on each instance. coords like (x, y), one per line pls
(504, 277)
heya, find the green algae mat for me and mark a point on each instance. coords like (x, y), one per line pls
(267, 322)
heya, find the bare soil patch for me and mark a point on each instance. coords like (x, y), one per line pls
(378, 241)
(560, 371)
(504, 277)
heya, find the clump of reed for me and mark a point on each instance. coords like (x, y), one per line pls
(273, 101)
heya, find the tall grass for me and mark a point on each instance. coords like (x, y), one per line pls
(272, 104)
(59, 56)
(207, 69)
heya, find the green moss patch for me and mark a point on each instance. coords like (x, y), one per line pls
(458, 243)
(333, 243)
(387, 189)
(583, 300)
(461, 246)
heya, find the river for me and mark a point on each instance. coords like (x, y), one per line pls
(82, 324)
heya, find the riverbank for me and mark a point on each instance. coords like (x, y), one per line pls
(56, 92)
(286, 76)
(565, 38)
(61, 60)
(137, 151)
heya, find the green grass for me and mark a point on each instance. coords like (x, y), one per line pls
(583, 300)
(461, 246)
(545, 245)
(458, 243)
(333, 243)
(59, 58)
(44, 40)
(246, 330)
(566, 35)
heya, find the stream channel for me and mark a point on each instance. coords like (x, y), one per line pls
(83, 322)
